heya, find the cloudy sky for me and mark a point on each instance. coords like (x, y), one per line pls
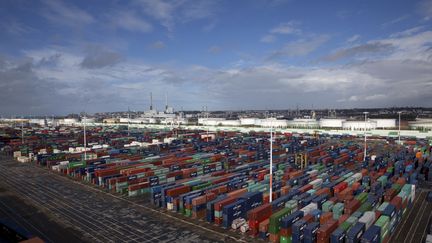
(58, 57)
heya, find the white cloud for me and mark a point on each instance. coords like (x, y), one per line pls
(287, 28)
(169, 13)
(425, 9)
(353, 38)
(127, 20)
(268, 39)
(407, 32)
(301, 47)
(158, 45)
(215, 49)
(367, 49)
(60, 12)
(402, 77)
(160, 10)
(396, 20)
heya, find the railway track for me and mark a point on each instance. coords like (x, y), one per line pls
(103, 228)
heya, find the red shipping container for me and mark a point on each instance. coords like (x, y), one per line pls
(325, 217)
(177, 191)
(343, 218)
(260, 213)
(352, 206)
(323, 191)
(340, 187)
(324, 232)
(219, 205)
(306, 188)
(401, 181)
(308, 218)
(397, 202)
(274, 238)
(237, 193)
(389, 195)
(334, 199)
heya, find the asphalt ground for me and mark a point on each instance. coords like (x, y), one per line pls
(414, 225)
(34, 221)
(97, 216)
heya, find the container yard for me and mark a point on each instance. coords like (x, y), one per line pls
(220, 185)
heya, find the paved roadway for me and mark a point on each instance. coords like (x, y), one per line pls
(414, 225)
(33, 221)
(100, 216)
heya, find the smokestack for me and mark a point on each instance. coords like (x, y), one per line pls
(166, 102)
(151, 101)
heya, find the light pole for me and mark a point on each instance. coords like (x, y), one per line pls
(399, 113)
(22, 132)
(271, 163)
(85, 140)
(365, 113)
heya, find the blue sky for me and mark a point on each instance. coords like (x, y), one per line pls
(58, 57)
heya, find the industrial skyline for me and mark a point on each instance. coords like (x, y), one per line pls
(61, 57)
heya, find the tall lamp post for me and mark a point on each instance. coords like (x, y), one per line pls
(271, 163)
(365, 113)
(85, 139)
(399, 113)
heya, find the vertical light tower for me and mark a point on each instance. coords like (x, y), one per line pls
(22, 132)
(208, 127)
(399, 113)
(166, 102)
(151, 101)
(365, 113)
(271, 164)
(128, 121)
(85, 139)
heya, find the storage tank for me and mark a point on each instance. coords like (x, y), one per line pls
(272, 122)
(248, 121)
(421, 123)
(229, 123)
(385, 123)
(331, 123)
(359, 125)
(304, 123)
(68, 121)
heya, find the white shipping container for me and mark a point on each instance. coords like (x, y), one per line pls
(237, 223)
(170, 206)
(312, 172)
(357, 176)
(16, 154)
(244, 228)
(309, 208)
(316, 183)
(23, 159)
(368, 219)
(413, 188)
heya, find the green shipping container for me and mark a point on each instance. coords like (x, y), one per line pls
(328, 206)
(362, 197)
(285, 239)
(276, 218)
(383, 223)
(365, 207)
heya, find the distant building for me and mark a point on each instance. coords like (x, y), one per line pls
(421, 123)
